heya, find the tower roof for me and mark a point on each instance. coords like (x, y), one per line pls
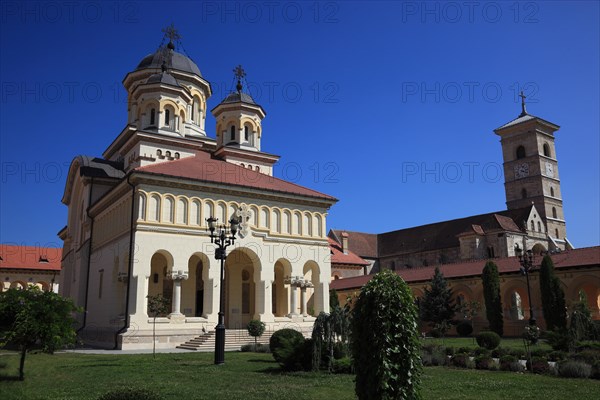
(173, 60)
(163, 77)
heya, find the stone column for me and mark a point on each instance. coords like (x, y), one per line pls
(177, 277)
(303, 301)
(293, 300)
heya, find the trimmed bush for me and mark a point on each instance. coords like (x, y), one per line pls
(435, 357)
(131, 394)
(484, 362)
(480, 351)
(255, 348)
(488, 339)
(557, 356)
(466, 350)
(538, 365)
(498, 352)
(288, 348)
(574, 369)
(464, 328)
(460, 360)
(510, 363)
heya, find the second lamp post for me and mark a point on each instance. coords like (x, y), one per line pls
(526, 261)
(223, 238)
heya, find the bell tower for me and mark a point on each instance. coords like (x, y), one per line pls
(531, 171)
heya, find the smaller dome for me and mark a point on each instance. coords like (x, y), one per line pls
(163, 77)
(173, 59)
(238, 97)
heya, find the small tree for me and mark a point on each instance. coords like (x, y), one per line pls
(385, 340)
(255, 329)
(582, 325)
(553, 297)
(437, 306)
(491, 294)
(157, 305)
(31, 319)
(334, 301)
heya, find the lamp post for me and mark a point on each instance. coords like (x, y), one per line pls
(223, 238)
(526, 261)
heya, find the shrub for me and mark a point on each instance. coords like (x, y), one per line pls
(510, 363)
(255, 348)
(538, 365)
(557, 355)
(435, 357)
(559, 339)
(131, 394)
(519, 354)
(588, 356)
(464, 328)
(339, 351)
(498, 352)
(596, 370)
(483, 362)
(574, 369)
(385, 340)
(450, 351)
(489, 340)
(540, 353)
(480, 351)
(342, 366)
(460, 360)
(466, 350)
(287, 346)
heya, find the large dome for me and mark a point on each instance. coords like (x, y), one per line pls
(172, 60)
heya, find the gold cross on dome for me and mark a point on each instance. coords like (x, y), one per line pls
(171, 32)
(239, 72)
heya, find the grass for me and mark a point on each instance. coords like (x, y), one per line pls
(470, 342)
(250, 376)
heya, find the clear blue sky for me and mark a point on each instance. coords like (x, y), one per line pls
(389, 106)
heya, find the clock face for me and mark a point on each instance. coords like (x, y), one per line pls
(549, 170)
(521, 170)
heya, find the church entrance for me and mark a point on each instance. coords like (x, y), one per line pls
(241, 269)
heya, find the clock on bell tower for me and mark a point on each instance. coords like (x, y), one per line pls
(531, 169)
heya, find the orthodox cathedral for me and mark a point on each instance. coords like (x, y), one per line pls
(137, 218)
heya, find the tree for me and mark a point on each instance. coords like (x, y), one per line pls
(334, 301)
(437, 306)
(157, 305)
(385, 340)
(553, 297)
(32, 319)
(491, 294)
(255, 329)
(582, 325)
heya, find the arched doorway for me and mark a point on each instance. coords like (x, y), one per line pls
(241, 268)
(193, 296)
(311, 274)
(160, 263)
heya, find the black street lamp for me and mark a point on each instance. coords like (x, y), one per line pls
(224, 238)
(526, 261)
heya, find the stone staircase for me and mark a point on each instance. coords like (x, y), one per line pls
(234, 340)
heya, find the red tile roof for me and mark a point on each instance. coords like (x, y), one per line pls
(363, 244)
(30, 257)
(202, 167)
(589, 256)
(338, 256)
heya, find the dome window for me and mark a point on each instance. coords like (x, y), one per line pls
(152, 116)
(167, 116)
(232, 132)
(246, 133)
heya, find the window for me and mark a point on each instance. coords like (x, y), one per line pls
(547, 150)
(520, 152)
(246, 133)
(523, 193)
(159, 153)
(167, 116)
(539, 226)
(168, 154)
(177, 155)
(554, 215)
(152, 116)
(491, 252)
(556, 233)
(232, 131)
(551, 191)
(532, 226)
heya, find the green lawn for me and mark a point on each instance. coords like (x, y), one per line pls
(470, 342)
(251, 376)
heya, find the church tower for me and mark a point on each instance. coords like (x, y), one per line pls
(531, 171)
(239, 129)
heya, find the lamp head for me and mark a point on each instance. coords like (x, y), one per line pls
(233, 222)
(212, 224)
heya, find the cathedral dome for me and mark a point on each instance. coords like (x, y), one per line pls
(163, 77)
(237, 97)
(172, 60)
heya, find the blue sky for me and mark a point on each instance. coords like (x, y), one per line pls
(388, 106)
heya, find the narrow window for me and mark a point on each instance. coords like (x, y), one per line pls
(232, 131)
(159, 153)
(168, 154)
(532, 226)
(551, 191)
(167, 117)
(523, 193)
(547, 150)
(554, 212)
(520, 152)
(556, 233)
(246, 133)
(152, 116)
(539, 226)
(100, 283)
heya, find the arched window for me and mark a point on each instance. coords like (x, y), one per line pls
(523, 193)
(520, 152)
(167, 116)
(232, 132)
(539, 224)
(168, 154)
(152, 116)
(554, 215)
(532, 226)
(556, 233)
(177, 155)
(547, 150)
(159, 153)
(246, 133)
(551, 191)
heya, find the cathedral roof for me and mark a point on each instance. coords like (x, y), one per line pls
(237, 97)
(363, 244)
(524, 118)
(30, 257)
(338, 256)
(202, 167)
(100, 168)
(172, 60)
(163, 77)
(586, 257)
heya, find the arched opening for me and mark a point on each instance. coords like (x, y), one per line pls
(547, 150)
(232, 133)
(556, 233)
(523, 193)
(160, 264)
(551, 191)
(18, 285)
(152, 117)
(193, 297)
(538, 249)
(554, 213)
(241, 268)
(516, 307)
(539, 226)
(314, 294)
(520, 152)
(280, 292)
(246, 135)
